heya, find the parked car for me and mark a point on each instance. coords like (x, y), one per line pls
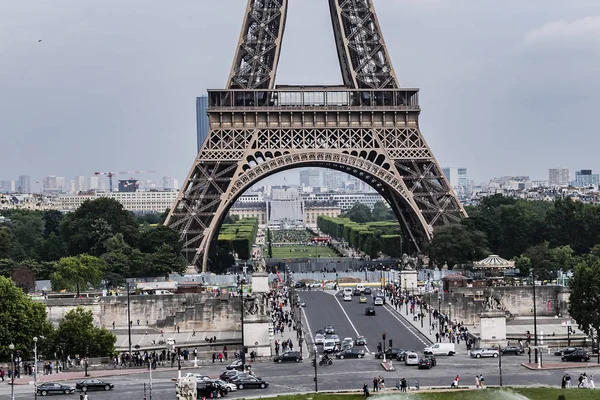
(289, 356)
(353, 352)
(487, 352)
(54, 388)
(93, 384)
(577, 355)
(566, 350)
(360, 341)
(516, 350)
(370, 311)
(424, 363)
(251, 382)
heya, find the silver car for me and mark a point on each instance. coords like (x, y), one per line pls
(319, 338)
(479, 353)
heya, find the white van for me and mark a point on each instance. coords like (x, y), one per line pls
(440, 349)
(360, 287)
(412, 358)
(328, 346)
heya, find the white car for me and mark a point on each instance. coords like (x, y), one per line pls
(347, 343)
(347, 297)
(335, 338)
(199, 377)
(319, 338)
(328, 346)
(230, 386)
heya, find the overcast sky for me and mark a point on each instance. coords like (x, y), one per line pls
(508, 87)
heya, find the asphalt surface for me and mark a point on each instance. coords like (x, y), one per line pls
(348, 318)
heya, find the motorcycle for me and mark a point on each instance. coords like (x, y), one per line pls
(325, 361)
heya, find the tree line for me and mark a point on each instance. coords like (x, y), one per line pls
(99, 242)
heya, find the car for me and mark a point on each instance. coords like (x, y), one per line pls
(362, 299)
(328, 346)
(251, 382)
(356, 292)
(577, 355)
(347, 342)
(566, 350)
(424, 363)
(329, 329)
(347, 297)
(199, 377)
(230, 375)
(237, 364)
(370, 311)
(379, 301)
(302, 303)
(335, 338)
(516, 350)
(207, 389)
(93, 384)
(353, 352)
(411, 358)
(389, 353)
(439, 349)
(54, 388)
(367, 290)
(231, 387)
(486, 352)
(320, 332)
(319, 338)
(360, 341)
(401, 356)
(431, 359)
(289, 356)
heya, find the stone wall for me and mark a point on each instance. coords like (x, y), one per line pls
(467, 303)
(201, 311)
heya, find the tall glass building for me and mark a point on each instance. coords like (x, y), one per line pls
(201, 119)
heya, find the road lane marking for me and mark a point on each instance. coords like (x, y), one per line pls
(349, 320)
(310, 332)
(408, 327)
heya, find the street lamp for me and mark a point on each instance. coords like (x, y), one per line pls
(500, 363)
(450, 314)
(534, 317)
(128, 324)
(35, 365)
(439, 311)
(243, 354)
(12, 378)
(315, 364)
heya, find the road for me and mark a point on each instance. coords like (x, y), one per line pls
(348, 318)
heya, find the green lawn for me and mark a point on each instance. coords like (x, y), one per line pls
(300, 251)
(485, 394)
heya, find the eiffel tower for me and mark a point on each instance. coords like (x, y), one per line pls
(369, 128)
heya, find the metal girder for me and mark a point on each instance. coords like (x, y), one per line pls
(363, 56)
(259, 46)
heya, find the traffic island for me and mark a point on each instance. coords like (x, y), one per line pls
(387, 365)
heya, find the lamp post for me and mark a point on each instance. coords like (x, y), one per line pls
(35, 366)
(429, 307)
(421, 311)
(534, 318)
(178, 363)
(12, 377)
(128, 323)
(243, 354)
(450, 314)
(439, 310)
(315, 364)
(500, 363)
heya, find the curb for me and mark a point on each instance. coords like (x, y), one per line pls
(533, 367)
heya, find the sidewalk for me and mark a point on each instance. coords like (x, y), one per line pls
(143, 336)
(290, 333)
(77, 375)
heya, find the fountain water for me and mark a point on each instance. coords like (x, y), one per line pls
(487, 394)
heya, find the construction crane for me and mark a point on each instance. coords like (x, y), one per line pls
(111, 174)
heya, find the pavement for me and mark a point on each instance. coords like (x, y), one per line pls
(77, 375)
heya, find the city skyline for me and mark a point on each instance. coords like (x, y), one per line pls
(102, 91)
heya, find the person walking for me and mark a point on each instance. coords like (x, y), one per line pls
(457, 379)
(481, 381)
(366, 390)
(580, 381)
(563, 382)
(591, 382)
(477, 383)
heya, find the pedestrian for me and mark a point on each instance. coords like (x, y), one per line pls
(85, 396)
(477, 383)
(193, 332)
(457, 379)
(81, 396)
(381, 382)
(2, 374)
(366, 390)
(568, 380)
(403, 384)
(214, 356)
(580, 380)
(591, 382)
(563, 382)
(375, 384)
(481, 381)
(113, 325)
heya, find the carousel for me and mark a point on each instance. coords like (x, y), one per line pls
(493, 266)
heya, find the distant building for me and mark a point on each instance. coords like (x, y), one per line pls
(93, 183)
(170, 183)
(128, 185)
(346, 201)
(585, 178)
(310, 177)
(333, 179)
(457, 177)
(24, 184)
(202, 125)
(80, 184)
(558, 177)
(285, 206)
(7, 186)
(138, 202)
(54, 184)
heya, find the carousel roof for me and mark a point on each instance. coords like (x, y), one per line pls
(494, 261)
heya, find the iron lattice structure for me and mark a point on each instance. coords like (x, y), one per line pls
(368, 128)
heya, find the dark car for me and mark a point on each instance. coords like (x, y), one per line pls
(54, 388)
(360, 341)
(401, 356)
(425, 363)
(293, 356)
(367, 291)
(516, 350)
(329, 329)
(356, 292)
(432, 359)
(93, 384)
(236, 365)
(211, 389)
(566, 350)
(577, 355)
(370, 311)
(320, 332)
(353, 352)
(389, 353)
(229, 375)
(251, 382)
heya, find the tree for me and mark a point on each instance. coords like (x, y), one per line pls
(94, 222)
(359, 212)
(78, 271)
(6, 242)
(166, 261)
(76, 334)
(52, 220)
(381, 212)
(153, 238)
(523, 264)
(454, 244)
(584, 304)
(22, 319)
